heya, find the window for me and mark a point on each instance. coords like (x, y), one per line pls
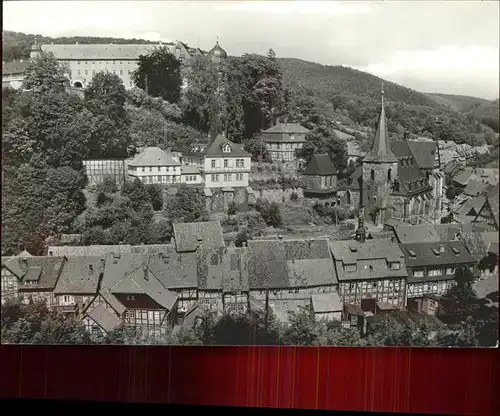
(144, 169)
(226, 148)
(150, 169)
(95, 330)
(418, 273)
(450, 270)
(159, 169)
(389, 174)
(435, 272)
(66, 299)
(159, 179)
(372, 175)
(214, 178)
(114, 72)
(79, 72)
(121, 71)
(234, 262)
(213, 163)
(93, 72)
(394, 265)
(226, 163)
(86, 72)
(396, 186)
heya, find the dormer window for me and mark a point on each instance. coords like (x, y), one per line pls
(226, 148)
(394, 265)
(351, 267)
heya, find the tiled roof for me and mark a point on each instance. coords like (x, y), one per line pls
(462, 178)
(46, 269)
(153, 156)
(422, 233)
(288, 128)
(424, 153)
(320, 165)
(474, 244)
(103, 317)
(290, 263)
(187, 235)
(152, 248)
(98, 51)
(425, 256)
(141, 280)
(118, 267)
(326, 302)
(14, 67)
(371, 257)
(112, 301)
(214, 149)
(174, 270)
(450, 167)
(267, 265)
(474, 188)
(80, 275)
(223, 268)
(90, 251)
(285, 132)
(470, 208)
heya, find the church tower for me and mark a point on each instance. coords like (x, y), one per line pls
(380, 168)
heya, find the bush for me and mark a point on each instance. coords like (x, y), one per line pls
(231, 210)
(156, 196)
(294, 196)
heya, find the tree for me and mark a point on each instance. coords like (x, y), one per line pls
(156, 196)
(137, 193)
(44, 73)
(302, 329)
(159, 74)
(160, 232)
(460, 300)
(204, 100)
(188, 205)
(105, 97)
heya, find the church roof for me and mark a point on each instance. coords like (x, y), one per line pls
(381, 149)
(320, 165)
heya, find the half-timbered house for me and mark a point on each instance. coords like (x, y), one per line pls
(431, 266)
(370, 269)
(79, 283)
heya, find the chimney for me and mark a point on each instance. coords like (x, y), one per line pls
(145, 270)
(441, 248)
(103, 262)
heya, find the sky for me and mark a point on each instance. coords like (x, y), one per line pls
(432, 46)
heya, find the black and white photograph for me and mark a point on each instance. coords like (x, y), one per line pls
(301, 173)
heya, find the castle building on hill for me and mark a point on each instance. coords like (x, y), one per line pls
(394, 182)
(85, 60)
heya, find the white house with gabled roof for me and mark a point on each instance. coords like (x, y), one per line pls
(155, 166)
(224, 164)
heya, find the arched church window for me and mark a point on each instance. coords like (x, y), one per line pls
(348, 198)
(372, 175)
(389, 174)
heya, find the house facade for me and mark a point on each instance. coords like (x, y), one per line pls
(224, 164)
(155, 166)
(85, 60)
(432, 266)
(370, 269)
(13, 73)
(283, 139)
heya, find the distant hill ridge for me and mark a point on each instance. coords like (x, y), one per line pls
(324, 81)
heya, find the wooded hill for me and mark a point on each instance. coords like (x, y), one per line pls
(333, 87)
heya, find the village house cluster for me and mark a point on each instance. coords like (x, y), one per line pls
(399, 187)
(159, 286)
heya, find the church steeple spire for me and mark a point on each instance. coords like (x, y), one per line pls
(381, 150)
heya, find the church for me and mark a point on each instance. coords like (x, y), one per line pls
(399, 179)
